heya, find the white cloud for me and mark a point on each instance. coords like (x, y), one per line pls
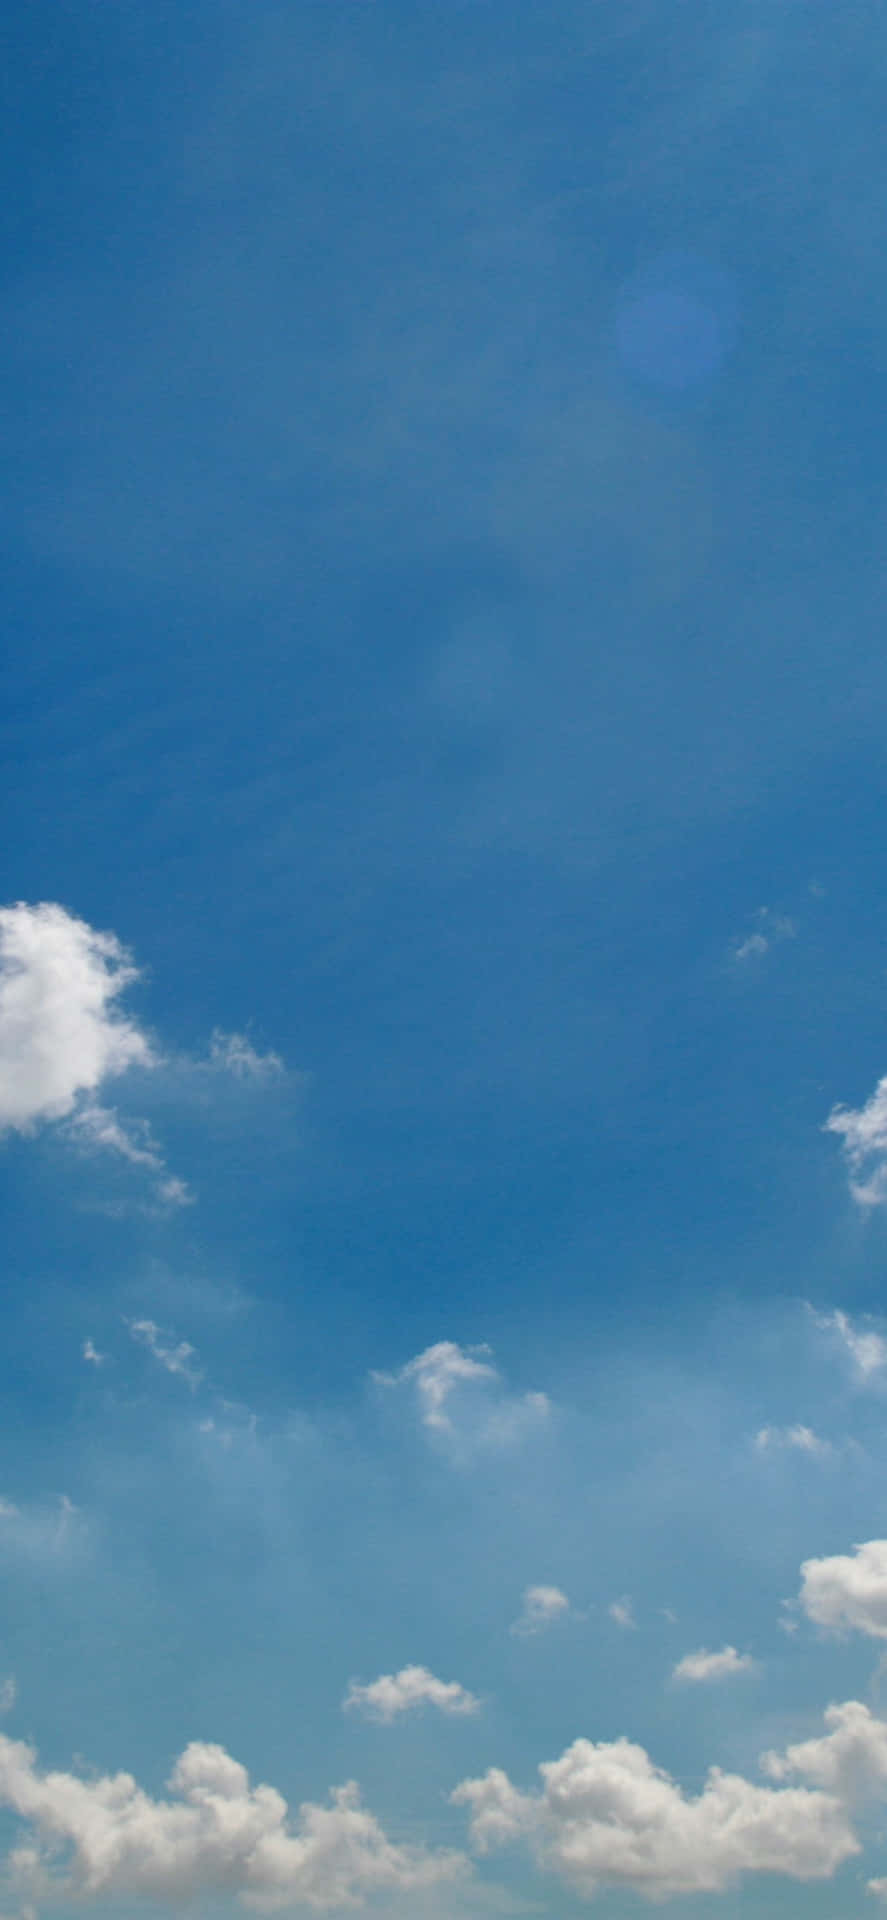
(541, 1607)
(8, 1693)
(607, 1816)
(217, 1835)
(235, 1054)
(98, 1129)
(848, 1591)
(61, 1033)
(867, 1349)
(89, 1351)
(396, 1693)
(798, 1438)
(863, 1131)
(176, 1358)
(452, 1380)
(850, 1760)
(622, 1611)
(703, 1665)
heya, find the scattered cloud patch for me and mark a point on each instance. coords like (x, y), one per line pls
(98, 1129)
(704, 1666)
(622, 1612)
(177, 1358)
(863, 1132)
(769, 930)
(234, 1053)
(396, 1693)
(797, 1439)
(460, 1395)
(847, 1592)
(218, 1834)
(607, 1816)
(89, 1352)
(61, 1030)
(42, 1533)
(8, 1693)
(865, 1348)
(541, 1607)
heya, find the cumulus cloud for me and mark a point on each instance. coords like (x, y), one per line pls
(850, 1760)
(622, 1612)
(606, 1816)
(218, 1834)
(703, 1665)
(541, 1607)
(177, 1357)
(865, 1348)
(61, 1030)
(798, 1439)
(234, 1053)
(848, 1591)
(460, 1393)
(863, 1132)
(396, 1693)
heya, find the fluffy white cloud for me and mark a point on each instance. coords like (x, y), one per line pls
(798, 1439)
(236, 1054)
(218, 1834)
(863, 1131)
(850, 1760)
(865, 1348)
(175, 1358)
(712, 1666)
(606, 1816)
(61, 1031)
(460, 1391)
(848, 1591)
(541, 1607)
(395, 1693)
(622, 1611)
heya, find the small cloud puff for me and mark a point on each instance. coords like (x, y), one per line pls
(846, 1592)
(175, 1358)
(863, 1131)
(622, 1612)
(89, 1351)
(461, 1397)
(703, 1666)
(395, 1693)
(542, 1606)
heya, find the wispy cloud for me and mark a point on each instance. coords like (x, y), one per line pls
(622, 1612)
(541, 1607)
(99, 1129)
(396, 1693)
(234, 1053)
(461, 1396)
(769, 930)
(704, 1666)
(864, 1346)
(797, 1439)
(176, 1357)
(89, 1351)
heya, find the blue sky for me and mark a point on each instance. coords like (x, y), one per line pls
(442, 981)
